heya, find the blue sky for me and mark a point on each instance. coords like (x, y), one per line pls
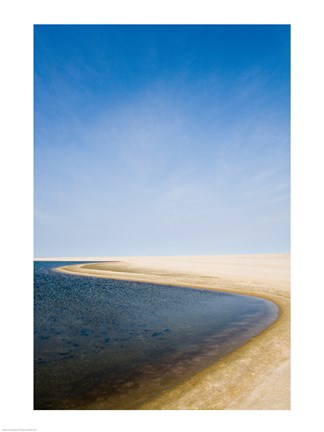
(162, 140)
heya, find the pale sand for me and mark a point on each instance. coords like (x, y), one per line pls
(255, 376)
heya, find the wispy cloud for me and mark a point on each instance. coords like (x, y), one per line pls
(200, 165)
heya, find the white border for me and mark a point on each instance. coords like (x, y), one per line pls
(16, 172)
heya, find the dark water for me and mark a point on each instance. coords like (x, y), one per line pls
(105, 344)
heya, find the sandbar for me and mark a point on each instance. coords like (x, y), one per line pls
(255, 376)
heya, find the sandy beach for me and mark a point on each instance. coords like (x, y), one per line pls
(255, 376)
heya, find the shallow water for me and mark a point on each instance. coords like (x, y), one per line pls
(107, 344)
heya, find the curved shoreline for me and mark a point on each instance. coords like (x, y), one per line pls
(254, 376)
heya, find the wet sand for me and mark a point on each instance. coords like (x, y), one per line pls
(256, 375)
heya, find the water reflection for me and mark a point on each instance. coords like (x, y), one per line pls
(106, 344)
